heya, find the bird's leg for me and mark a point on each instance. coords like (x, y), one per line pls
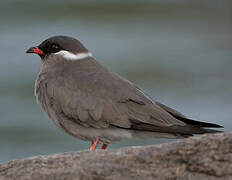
(94, 144)
(104, 146)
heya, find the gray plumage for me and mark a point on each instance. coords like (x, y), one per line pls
(88, 101)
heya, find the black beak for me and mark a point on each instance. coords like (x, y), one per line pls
(31, 50)
(35, 50)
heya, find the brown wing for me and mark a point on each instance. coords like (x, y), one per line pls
(99, 98)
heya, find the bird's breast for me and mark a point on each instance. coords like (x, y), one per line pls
(44, 98)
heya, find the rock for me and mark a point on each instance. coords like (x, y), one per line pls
(203, 157)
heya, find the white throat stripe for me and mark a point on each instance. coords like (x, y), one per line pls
(71, 56)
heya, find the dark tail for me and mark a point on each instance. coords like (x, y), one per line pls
(200, 127)
(194, 127)
(211, 130)
(197, 123)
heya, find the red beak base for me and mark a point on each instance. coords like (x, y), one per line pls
(35, 50)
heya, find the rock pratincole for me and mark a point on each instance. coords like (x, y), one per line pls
(89, 102)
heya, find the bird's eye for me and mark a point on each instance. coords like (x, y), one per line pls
(55, 47)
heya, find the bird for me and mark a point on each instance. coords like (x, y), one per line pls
(92, 103)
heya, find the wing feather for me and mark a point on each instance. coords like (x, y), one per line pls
(101, 98)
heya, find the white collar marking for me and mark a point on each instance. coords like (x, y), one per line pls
(71, 56)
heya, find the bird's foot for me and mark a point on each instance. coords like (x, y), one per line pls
(95, 144)
(104, 146)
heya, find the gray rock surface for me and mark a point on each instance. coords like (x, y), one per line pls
(203, 157)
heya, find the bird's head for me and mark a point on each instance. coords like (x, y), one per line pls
(61, 46)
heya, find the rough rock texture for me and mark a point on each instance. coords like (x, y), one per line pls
(204, 157)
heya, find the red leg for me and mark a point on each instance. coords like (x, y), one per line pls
(94, 145)
(104, 146)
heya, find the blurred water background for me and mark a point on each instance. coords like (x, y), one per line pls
(179, 52)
